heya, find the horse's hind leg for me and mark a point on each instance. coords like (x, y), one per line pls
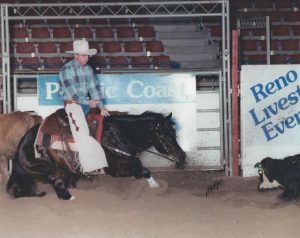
(21, 185)
(59, 186)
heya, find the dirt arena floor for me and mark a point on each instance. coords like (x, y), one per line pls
(127, 208)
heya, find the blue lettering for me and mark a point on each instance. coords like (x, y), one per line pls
(294, 74)
(290, 122)
(269, 87)
(293, 99)
(267, 129)
(258, 90)
(256, 120)
(283, 103)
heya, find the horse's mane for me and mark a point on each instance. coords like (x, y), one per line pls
(145, 116)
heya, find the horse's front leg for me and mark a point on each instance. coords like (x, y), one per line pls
(59, 186)
(151, 181)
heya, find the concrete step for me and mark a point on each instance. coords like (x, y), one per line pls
(176, 28)
(191, 57)
(190, 49)
(183, 35)
(185, 42)
(201, 64)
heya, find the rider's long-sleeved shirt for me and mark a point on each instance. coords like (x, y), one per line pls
(78, 83)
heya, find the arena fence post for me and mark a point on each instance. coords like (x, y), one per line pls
(235, 105)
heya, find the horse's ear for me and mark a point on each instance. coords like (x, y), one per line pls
(169, 116)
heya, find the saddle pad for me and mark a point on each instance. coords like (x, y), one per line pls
(53, 138)
(53, 141)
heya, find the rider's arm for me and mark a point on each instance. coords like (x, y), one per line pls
(94, 88)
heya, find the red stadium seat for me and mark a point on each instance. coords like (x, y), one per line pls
(290, 45)
(155, 46)
(19, 32)
(256, 59)
(53, 62)
(94, 45)
(125, 32)
(146, 32)
(66, 46)
(263, 4)
(112, 47)
(249, 45)
(161, 61)
(118, 62)
(258, 32)
(139, 61)
(30, 63)
(296, 30)
(25, 47)
(40, 32)
(292, 16)
(242, 3)
(283, 4)
(275, 16)
(279, 59)
(133, 46)
(295, 59)
(83, 32)
(274, 45)
(104, 32)
(245, 32)
(280, 30)
(62, 32)
(47, 47)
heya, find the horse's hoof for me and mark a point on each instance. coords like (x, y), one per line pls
(152, 183)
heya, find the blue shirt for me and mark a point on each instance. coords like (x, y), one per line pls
(78, 83)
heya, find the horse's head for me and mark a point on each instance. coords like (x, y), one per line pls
(166, 142)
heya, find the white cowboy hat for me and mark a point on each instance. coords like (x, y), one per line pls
(82, 47)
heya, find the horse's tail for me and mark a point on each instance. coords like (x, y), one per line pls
(21, 183)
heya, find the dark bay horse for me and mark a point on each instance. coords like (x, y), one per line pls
(123, 138)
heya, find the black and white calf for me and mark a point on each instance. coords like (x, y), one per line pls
(285, 174)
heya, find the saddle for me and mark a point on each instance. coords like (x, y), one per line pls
(57, 124)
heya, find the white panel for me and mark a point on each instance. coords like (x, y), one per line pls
(207, 100)
(270, 108)
(204, 158)
(27, 103)
(208, 120)
(208, 138)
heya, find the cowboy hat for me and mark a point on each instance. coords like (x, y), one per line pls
(82, 47)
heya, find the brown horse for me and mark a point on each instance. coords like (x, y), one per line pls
(123, 138)
(12, 127)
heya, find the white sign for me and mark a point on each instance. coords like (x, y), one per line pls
(137, 93)
(270, 113)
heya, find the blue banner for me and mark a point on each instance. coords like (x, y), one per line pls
(145, 88)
